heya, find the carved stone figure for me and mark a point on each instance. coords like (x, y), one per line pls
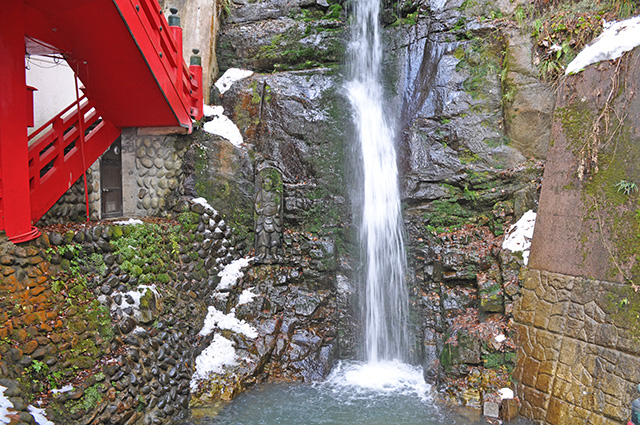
(268, 216)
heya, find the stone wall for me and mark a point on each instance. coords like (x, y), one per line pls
(112, 311)
(152, 179)
(578, 318)
(577, 352)
(578, 321)
(587, 224)
(115, 312)
(151, 172)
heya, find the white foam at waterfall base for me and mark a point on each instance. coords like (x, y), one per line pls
(391, 377)
(520, 234)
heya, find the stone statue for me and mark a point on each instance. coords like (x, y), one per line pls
(268, 216)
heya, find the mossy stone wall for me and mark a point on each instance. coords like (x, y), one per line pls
(69, 316)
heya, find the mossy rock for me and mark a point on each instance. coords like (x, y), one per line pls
(82, 362)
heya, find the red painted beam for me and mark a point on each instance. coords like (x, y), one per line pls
(130, 62)
(15, 204)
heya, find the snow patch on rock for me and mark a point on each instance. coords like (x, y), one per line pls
(617, 38)
(5, 405)
(232, 272)
(222, 126)
(520, 234)
(246, 297)
(39, 416)
(232, 75)
(218, 320)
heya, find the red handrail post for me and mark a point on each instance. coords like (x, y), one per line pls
(197, 95)
(15, 202)
(176, 32)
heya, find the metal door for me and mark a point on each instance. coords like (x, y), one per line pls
(111, 181)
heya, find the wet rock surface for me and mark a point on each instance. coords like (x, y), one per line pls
(280, 36)
(465, 178)
(296, 319)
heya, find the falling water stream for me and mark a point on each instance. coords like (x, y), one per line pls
(386, 298)
(383, 389)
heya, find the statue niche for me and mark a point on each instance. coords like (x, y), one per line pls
(268, 216)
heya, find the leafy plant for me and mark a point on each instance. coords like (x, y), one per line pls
(626, 187)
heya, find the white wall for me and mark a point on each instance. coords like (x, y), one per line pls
(55, 84)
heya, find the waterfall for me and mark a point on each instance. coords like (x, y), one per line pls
(386, 300)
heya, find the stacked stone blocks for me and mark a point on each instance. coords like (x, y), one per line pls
(573, 361)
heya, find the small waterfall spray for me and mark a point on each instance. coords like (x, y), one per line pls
(386, 298)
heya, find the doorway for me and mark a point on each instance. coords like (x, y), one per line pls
(111, 181)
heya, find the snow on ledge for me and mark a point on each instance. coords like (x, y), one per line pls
(130, 222)
(64, 389)
(222, 126)
(232, 75)
(204, 203)
(246, 297)
(232, 272)
(617, 38)
(218, 354)
(218, 320)
(520, 234)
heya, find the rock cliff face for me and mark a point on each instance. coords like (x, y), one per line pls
(295, 121)
(465, 175)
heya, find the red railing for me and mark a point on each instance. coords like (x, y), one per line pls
(61, 150)
(57, 156)
(163, 52)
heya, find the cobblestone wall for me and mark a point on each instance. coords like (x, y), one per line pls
(578, 352)
(72, 205)
(111, 313)
(151, 172)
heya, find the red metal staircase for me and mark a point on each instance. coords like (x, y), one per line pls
(129, 59)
